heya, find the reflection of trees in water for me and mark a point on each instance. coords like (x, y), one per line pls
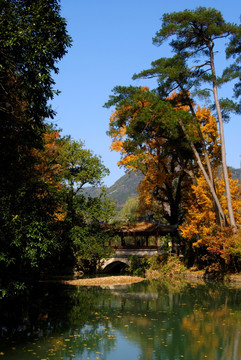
(59, 321)
(216, 333)
(165, 321)
(157, 321)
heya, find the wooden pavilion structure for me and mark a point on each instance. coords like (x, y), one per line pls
(143, 230)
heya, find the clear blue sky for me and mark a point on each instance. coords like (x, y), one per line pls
(112, 40)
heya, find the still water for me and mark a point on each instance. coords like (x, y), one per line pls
(148, 321)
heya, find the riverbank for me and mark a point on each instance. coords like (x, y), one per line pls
(125, 280)
(193, 276)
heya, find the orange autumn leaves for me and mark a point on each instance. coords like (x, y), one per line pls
(49, 168)
(200, 218)
(198, 203)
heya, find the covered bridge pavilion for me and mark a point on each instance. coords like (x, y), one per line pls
(140, 235)
(140, 239)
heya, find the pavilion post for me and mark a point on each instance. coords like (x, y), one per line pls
(156, 239)
(147, 237)
(134, 239)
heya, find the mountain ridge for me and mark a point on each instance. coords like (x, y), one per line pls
(120, 191)
(127, 184)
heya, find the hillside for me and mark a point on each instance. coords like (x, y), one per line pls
(126, 186)
(119, 192)
(236, 174)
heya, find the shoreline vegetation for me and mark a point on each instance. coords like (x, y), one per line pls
(154, 268)
(150, 275)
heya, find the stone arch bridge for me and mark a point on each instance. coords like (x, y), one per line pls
(121, 257)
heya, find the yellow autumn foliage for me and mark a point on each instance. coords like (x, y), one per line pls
(154, 162)
(201, 218)
(117, 145)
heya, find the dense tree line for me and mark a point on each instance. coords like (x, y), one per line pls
(45, 222)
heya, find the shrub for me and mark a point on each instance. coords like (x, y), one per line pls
(138, 265)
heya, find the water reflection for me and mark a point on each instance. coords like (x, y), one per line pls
(148, 321)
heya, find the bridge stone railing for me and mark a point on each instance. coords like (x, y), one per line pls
(138, 252)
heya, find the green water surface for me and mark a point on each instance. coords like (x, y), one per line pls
(148, 321)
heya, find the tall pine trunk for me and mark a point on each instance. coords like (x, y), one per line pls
(209, 182)
(223, 151)
(220, 217)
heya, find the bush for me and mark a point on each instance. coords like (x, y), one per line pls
(138, 265)
(157, 261)
(172, 266)
(221, 247)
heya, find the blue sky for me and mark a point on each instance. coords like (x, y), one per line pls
(112, 40)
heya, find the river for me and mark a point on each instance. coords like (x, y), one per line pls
(152, 320)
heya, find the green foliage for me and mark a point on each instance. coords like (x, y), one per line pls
(90, 245)
(173, 266)
(129, 210)
(138, 265)
(33, 39)
(80, 165)
(14, 289)
(193, 35)
(163, 264)
(43, 216)
(84, 240)
(165, 241)
(34, 241)
(153, 144)
(155, 262)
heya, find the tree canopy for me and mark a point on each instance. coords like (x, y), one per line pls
(33, 39)
(44, 218)
(178, 145)
(193, 35)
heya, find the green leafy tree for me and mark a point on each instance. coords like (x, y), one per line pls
(89, 239)
(129, 210)
(33, 39)
(80, 167)
(84, 237)
(193, 37)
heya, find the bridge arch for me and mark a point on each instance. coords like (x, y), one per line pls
(114, 264)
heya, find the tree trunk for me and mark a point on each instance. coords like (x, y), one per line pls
(208, 163)
(210, 184)
(223, 151)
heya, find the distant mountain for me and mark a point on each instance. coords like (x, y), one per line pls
(236, 174)
(126, 186)
(119, 192)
